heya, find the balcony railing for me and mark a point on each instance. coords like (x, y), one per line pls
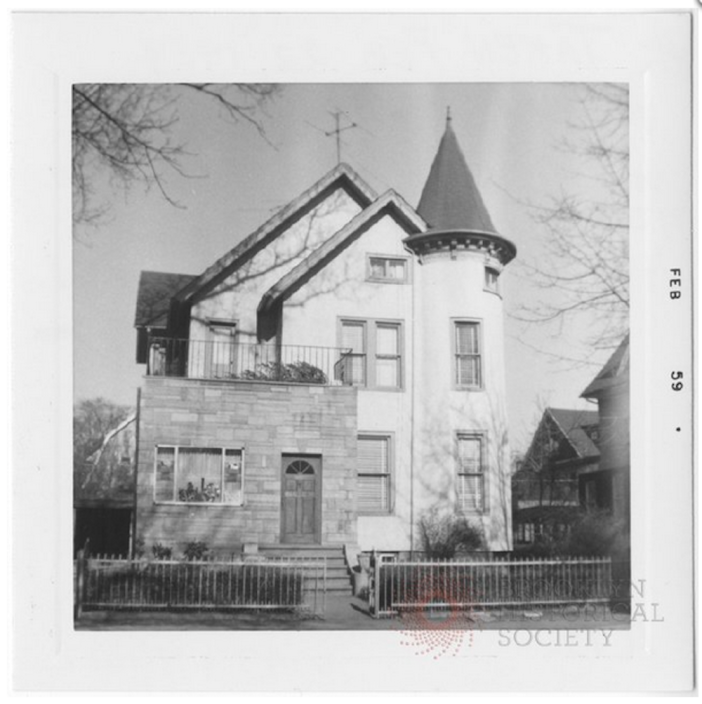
(233, 361)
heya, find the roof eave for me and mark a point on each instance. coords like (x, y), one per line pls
(390, 200)
(343, 175)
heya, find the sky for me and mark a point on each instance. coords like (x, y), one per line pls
(512, 136)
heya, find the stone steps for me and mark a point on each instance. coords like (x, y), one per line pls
(338, 577)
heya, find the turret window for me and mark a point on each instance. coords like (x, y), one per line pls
(471, 476)
(467, 355)
(492, 280)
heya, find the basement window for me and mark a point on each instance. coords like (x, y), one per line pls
(199, 475)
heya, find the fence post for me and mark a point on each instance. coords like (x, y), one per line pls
(78, 601)
(373, 585)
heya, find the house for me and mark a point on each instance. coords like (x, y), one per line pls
(609, 485)
(545, 488)
(333, 376)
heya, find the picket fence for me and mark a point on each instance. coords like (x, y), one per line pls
(499, 582)
(282, 584)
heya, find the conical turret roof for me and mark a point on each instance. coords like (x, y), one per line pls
(450, 199)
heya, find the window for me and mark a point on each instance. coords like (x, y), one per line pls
(353, 338)
(387, 269)
(491, 280)
(199, 475)
(373, 485)
(375, 340)
(471, 477)
(467, 353)
(387, 355)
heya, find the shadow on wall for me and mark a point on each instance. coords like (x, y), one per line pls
(438, 477)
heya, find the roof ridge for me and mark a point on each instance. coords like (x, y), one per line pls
(360, 191)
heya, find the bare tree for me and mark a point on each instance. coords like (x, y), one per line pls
(584, 268)
(93, 419)
(125, 131)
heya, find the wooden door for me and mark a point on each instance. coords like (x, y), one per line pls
(300, 500)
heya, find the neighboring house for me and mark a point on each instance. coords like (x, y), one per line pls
(609, 486)
(104, 493)
(333, 376)
(545, 487)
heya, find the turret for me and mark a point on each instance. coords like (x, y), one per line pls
(461, 386)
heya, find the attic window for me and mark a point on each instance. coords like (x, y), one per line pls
(391, 270)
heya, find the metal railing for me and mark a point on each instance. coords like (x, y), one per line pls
(281, 584)
(210, 359)
(500, 582)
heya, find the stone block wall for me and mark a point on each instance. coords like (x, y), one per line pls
(267, 420)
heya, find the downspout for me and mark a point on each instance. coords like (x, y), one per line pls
(412, 404)
(132, 540)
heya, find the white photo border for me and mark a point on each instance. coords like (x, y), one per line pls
(652, 52)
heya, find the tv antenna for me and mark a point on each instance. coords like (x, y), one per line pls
(336, 132)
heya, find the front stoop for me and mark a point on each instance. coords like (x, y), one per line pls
(338, 576)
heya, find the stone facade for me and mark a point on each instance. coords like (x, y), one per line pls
(267, 420)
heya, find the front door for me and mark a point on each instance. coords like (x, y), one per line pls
(300, 502)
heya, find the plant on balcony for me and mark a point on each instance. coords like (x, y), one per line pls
(300, 372)
(207, 493)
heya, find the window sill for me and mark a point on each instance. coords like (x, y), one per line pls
(390, 389)
(494, 293)
(198, 503)
(400, 282)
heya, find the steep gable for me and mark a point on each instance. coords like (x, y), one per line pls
(562, 434)
(614, 373)
(389, 203)
(341, 177)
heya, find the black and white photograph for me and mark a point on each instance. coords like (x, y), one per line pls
(330, 403)
(370, 354)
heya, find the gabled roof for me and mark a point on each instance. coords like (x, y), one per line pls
(390, 202)
(614, 373)
(572, 424)
(450, 199)
(156, 288)
(341, 176)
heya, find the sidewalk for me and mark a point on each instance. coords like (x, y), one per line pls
(345, 613)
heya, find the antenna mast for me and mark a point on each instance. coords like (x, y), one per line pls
(337, 131)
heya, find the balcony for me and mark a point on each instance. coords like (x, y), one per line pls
(233, 361)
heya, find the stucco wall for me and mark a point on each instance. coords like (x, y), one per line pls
(312, 317)
(453, 287)
(266, 420)
(237, 297)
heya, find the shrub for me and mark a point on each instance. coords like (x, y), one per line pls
(161, 552)
(597, 533)
(195, 550)
(139, 548)
(445, 535)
